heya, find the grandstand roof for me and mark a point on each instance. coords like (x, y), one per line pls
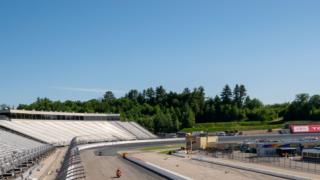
(15, 111)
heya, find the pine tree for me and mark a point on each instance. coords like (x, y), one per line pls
(226, 95)
(243, 94)
(236, 96)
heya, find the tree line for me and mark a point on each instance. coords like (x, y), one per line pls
(162, 111)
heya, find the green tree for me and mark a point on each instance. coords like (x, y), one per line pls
(236, 96)
(243, 94)
(162, 122)
(160, 95)
(226, 95)
(109, 96)
(133, 95)
(188, 117)
(149, 95)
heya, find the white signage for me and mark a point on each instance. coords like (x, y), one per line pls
(300, 128)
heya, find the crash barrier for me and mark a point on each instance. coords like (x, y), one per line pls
(148, 141)
(71, 168)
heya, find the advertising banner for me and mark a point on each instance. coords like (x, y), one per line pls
(313, 128)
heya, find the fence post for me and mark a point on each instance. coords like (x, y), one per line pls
(290, 163)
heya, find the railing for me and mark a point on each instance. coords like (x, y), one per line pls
(17, 160)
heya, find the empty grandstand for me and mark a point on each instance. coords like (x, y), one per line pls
(26, 135)
(59, 128)
(18, 153)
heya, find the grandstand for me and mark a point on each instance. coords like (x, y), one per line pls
(27, 135)
(18, 152)
(60, 128)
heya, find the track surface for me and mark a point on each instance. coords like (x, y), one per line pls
(104, 167)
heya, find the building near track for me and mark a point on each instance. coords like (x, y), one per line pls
(283, 148)
(278, 148)
(196, 142)
(312, 154)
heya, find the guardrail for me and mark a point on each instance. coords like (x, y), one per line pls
(71, 167)
(90, 146)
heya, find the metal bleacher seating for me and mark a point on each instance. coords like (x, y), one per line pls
(148, 133)
(27, 136)
(16, 150)
(60, 132)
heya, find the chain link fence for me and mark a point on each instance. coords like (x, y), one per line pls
(296, 162)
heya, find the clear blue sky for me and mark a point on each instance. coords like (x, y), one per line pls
(76, 49)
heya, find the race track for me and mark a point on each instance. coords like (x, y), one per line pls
(104, 167)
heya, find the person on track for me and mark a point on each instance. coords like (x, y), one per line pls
(118, 173)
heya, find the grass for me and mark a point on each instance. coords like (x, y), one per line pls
(232, 126)
(164, 148)
(165, 151)
(243, 125)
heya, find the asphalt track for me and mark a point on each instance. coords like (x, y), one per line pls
(101, 163)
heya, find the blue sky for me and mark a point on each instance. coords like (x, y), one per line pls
(78, 49)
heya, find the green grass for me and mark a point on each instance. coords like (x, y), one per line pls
(165, 151)
(232, 126)
(162, 148)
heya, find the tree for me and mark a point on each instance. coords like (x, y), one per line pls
(236, 96)
(109, 96)
(160, 95)
(261, 114)
(149, 95)
(300, 108)
(314, 101)
(243, 94)
(4, 106)
(160, 111)
(253, 104)
(188, 117)
(175, 120)
(162, 122)
(133, 95)
(226, 95)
